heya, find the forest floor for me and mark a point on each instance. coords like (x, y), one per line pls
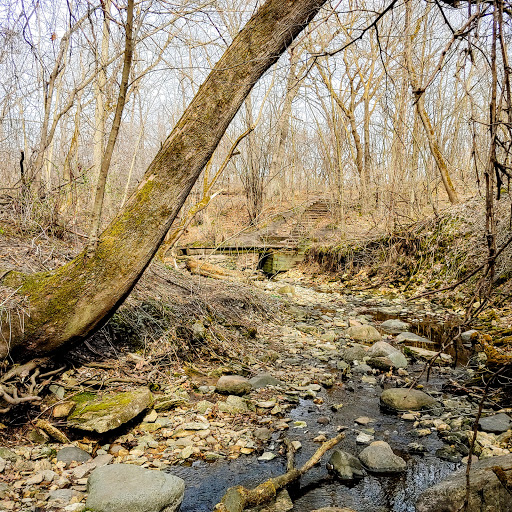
(307, 338)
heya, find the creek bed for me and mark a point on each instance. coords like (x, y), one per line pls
(206, 483)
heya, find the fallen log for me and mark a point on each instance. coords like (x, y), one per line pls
(239, 498)
(205, 269)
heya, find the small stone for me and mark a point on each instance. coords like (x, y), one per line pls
(203, 406)
(364, 438)
(416, 448)
(151, 417)
(297, 445)
(37, 436)
(364, 420)
(320, 439)
(300, 424)
(7, 454)
(267, 456)
(234, 405)
(267, 404)
(262, 433)
(408, 416)
(468, 336)
(233, 385)
(63, 410)
(111, 411)
(323, 420)
(187, 452)
(369, 379)
(422, 432)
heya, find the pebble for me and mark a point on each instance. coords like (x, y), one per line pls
(267, 456)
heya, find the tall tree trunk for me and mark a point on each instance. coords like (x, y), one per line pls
(100, 113)
(419, 96)
(67, 305)
(114, 131)
(283, 125)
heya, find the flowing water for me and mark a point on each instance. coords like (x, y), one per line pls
(206, 483)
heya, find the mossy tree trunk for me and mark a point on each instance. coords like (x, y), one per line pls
(67, 305)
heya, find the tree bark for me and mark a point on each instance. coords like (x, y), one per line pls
(68, 304)
(114, 131)
(419, 93)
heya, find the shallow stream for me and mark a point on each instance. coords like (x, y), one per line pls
(206, 483)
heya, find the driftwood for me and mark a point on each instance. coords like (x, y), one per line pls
(238, 498)
(208, 270)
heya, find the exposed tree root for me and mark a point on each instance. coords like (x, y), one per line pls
(239, 498)
(23, 383)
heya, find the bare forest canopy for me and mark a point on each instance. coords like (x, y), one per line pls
(392, 110)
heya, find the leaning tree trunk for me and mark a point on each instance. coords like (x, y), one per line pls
(68, 304)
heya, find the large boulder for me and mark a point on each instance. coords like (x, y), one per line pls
(379, 458)
(487, 494)
(233, 385)
(130, 488)
(363, 333)
(345, 466)
(110, 411)
(404, 399)
(354, 353)
(383, 349)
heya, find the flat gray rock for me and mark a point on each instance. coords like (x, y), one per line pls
(110, 411)
(486, 492)
(72, 454)
(403, 399)
(410, 337)
(264, 380)
(496, 424)
(129, 488)
(394, 326)
(379, 458)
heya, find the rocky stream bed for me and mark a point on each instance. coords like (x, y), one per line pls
(352, 363)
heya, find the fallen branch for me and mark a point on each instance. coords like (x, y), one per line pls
(52, 431)
(238, 498)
